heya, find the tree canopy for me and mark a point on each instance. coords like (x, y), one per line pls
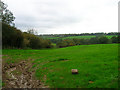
(6, 16)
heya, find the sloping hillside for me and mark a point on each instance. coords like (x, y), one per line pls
(97, 66)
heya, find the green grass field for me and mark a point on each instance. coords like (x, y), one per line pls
(97, 65)
(79, 37)
(86, 37)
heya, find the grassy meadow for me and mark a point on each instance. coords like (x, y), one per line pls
(88, 37)
(79, 37)
(97, 65)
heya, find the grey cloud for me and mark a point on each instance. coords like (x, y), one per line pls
(46, 23)
(56, 15)
(47, 14)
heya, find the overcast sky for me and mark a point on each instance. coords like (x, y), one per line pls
(65, 16)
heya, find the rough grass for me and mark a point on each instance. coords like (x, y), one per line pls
(97, 65)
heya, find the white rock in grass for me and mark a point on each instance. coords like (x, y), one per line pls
(74, 71)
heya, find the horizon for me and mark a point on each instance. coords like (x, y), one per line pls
(81, 33)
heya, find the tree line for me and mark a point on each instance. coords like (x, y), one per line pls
(14, 38)
(95, 40)
(82, 34)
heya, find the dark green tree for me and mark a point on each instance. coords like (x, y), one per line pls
(6, 16)
(94, 40)
(118, 38)
(103, 40)
(114, 39)
(11, 37)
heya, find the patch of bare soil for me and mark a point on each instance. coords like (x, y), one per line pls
(20, 76)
